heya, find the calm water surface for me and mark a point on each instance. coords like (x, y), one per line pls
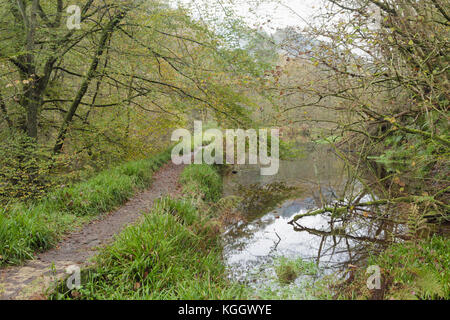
(252, 247)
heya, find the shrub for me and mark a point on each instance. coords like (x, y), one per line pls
(24, 169)
(410, 270)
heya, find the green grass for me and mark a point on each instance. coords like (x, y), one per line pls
(417, 270)
(412, 270)
(174, 253)
(202, 180)
(29, 228)
(288, 270)
(284, 279)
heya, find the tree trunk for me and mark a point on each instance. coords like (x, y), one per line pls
(84, 86)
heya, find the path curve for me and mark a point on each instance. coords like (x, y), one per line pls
(31, 280)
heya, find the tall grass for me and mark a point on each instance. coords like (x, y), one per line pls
(29, 228)
(202, 180)
(174, 253)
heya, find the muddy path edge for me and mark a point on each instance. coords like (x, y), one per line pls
(32, 279)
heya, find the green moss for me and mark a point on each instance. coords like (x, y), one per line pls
(288, 270)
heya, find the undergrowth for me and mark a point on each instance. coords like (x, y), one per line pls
(410, 271)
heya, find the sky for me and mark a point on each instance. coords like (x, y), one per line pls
(288, 13)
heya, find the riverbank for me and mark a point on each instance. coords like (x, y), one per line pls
(415, 270)
(176, 252)
(412, 265)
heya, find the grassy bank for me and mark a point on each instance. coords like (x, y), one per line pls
(202, 181)
(26, 229)
(173, 253)
(413, 270)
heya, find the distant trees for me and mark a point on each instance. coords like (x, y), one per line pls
(376, 74)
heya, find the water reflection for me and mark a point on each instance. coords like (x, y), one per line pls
(319, 166)
(333, 242)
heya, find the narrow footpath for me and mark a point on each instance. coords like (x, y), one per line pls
(32, 280)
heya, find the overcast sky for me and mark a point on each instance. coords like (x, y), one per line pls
(289, 13)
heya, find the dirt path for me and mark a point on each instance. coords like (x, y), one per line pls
(31, 280)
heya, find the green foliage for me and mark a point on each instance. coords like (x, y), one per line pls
(288, 270)
(29, 228)
(329, 140)
(290, 151)
(24, 168)
(202, 180)
(109, 188)
(417, 270)
(408, 152)
(22, 232)
(173, 254)
(152, 85)
(411, 270)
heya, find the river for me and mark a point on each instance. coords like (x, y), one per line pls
(264, 239)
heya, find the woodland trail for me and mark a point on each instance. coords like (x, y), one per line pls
(31, 280)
